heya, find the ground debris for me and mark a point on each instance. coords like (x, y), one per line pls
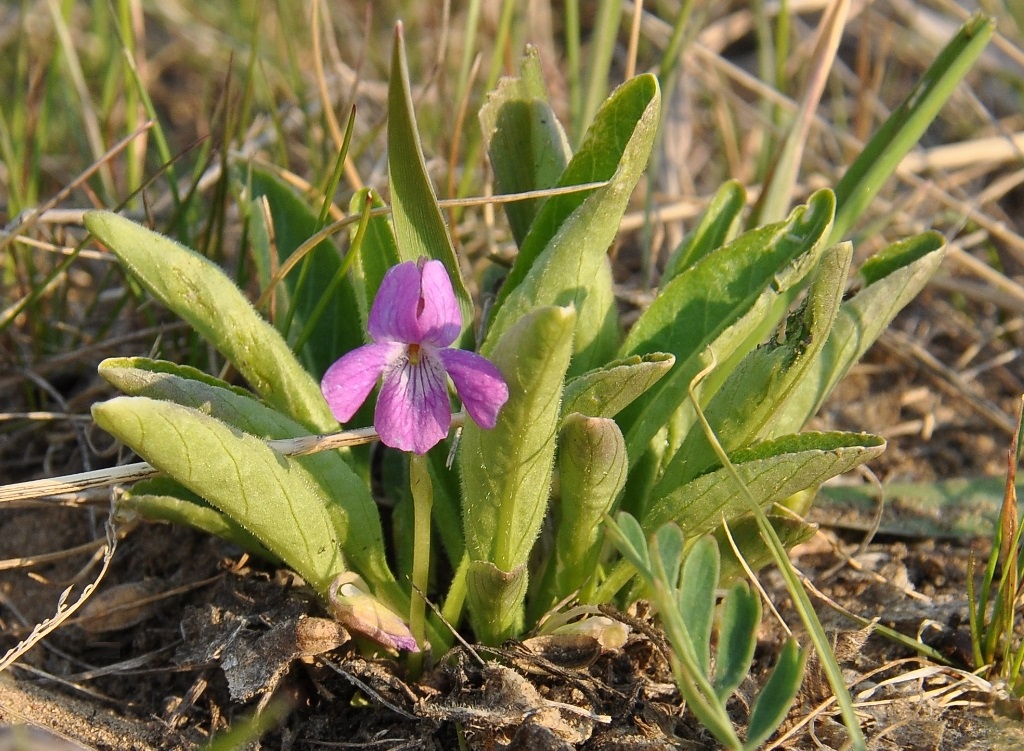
(256, 650)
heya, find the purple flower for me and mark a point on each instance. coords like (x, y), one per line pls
(414, 318)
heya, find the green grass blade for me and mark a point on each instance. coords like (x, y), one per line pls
(602, 47)
(325, 307)
(801, 601)
(905, 126)
(778, 189)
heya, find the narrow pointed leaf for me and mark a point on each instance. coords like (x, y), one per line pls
(273, 497)
(200, 293)
(716, 227)
(419, 227)
(697, 597)
(737, 638)
(772, 705)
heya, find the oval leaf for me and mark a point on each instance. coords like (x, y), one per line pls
(352, 507)
(506, 472)
(592, 472)
(697, 597)
(200, 293)
(772, 705)
(605, 391)
(737, 638)
(273, 497)
(773, 470)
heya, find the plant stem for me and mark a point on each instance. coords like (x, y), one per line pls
(422, 501)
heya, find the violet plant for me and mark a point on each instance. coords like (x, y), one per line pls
(633, 422)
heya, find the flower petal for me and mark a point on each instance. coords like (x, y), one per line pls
(416, 303)
(348, 382)
(393, 313)
(413, 410)
(440, 318)
(479, 383)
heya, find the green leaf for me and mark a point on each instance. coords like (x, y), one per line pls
(506, 472)
(200, 293)
(526, 143)
(696, 598)
(891, 279)
(164, 499)
(419, 226)
(702, 304)
(133, 375)
(330, 308)
(737, 638)
(592, 469)
(629, 539)
(772, 705)
(496, 601)
(352, 508)
(604, 391)
(565, 250)
(667, 547)
(908, 122)
(754, 392)
(597, 325)
(716, 227)
(273, 497)
(773, 470)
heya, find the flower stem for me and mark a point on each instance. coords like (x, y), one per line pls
(422, 501)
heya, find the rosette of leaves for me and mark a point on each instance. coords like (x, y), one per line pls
(604, 412)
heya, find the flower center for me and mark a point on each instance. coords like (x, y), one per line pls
(414, 354)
